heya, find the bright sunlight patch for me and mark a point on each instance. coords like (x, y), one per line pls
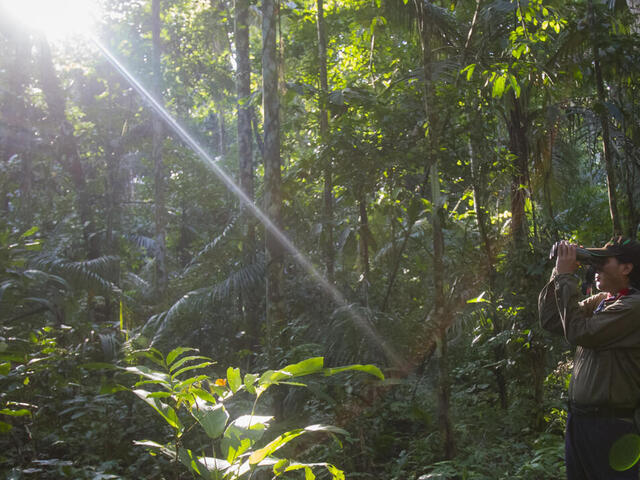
(56, 19)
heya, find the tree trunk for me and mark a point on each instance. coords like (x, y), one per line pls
(272, 180)
(518, 146)
(364, 247)
(16, 138)
(601, 109)
(499, 351)
(443, 317)
(329, 250)
(160, 277)
(67, 148)
(245, 159)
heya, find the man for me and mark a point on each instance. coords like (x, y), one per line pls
(604, 391)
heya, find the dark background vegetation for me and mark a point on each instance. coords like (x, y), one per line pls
(426, 157)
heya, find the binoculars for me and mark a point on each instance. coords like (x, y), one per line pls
(583, 255)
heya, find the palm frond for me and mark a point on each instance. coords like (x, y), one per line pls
(142, 241)
(211, 245)
(90, 274)
(246, 281)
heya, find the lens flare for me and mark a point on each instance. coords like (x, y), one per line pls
(56, 19)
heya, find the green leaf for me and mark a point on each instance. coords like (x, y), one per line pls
(249, 381)
(30, 232)
(176, 352)
(233, 379)
(305, 367)
(498, 86)
(212, 417)
(181, 362)
(165, 411)
(203, 394)
(271, 447)
(5, 368)
(370, 369)
(23, 412)
(190, 367)
(5, 427)
(154, 375)
(479, 299)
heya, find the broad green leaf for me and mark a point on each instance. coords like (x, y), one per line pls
(30, 232)
(204, 395)
(498, 86)
(249, 382)
(154, 375)
(5, 368)
(259, 455)
(370, 369)
(152, 354)
(189, 368)
(243, 433)
(233, 379)
(168, 413)
(479, 299)
(305, 367)
(176, 352)
(5, 427)
(212, 416)
(15, 413)
(178, 363)
(326, 428)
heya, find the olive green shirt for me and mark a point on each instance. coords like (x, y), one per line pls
(606, 367)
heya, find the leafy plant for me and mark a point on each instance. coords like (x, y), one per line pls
(205, 401)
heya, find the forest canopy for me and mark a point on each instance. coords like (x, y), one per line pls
(326, 221)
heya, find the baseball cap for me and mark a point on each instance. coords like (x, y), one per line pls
(625, 249)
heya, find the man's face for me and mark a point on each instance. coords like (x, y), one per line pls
(613, 276)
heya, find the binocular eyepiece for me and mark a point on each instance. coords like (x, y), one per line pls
(583, 255)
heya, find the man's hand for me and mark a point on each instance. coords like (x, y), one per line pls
(566, 260)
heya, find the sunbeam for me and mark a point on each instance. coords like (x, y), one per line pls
(300, 258)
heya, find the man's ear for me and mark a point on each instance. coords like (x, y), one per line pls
(627, 268)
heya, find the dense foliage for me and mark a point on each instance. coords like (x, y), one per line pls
(418, 158)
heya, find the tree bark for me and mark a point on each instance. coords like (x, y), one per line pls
(607, 148)
(245, 159)
(329, 250)
(272, 180)
(161, 276)
(364, 247)
(443, 316)
(67, 148)
(519, 148)
(15, 139)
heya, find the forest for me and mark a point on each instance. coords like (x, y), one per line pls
(301, 238)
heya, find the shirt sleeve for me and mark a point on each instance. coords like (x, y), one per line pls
(617, 325)
(548, 308)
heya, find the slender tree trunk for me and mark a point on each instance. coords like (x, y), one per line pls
(160, 278)
(272, 178)
(499, 351)
(443, 317)
(607, 148)
(16, 140)
(364, 247)
(329, 250)
(245, 159)
(520, 150)
(67, 148)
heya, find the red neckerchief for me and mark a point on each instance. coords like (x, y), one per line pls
(620, 294)
(612, 298)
